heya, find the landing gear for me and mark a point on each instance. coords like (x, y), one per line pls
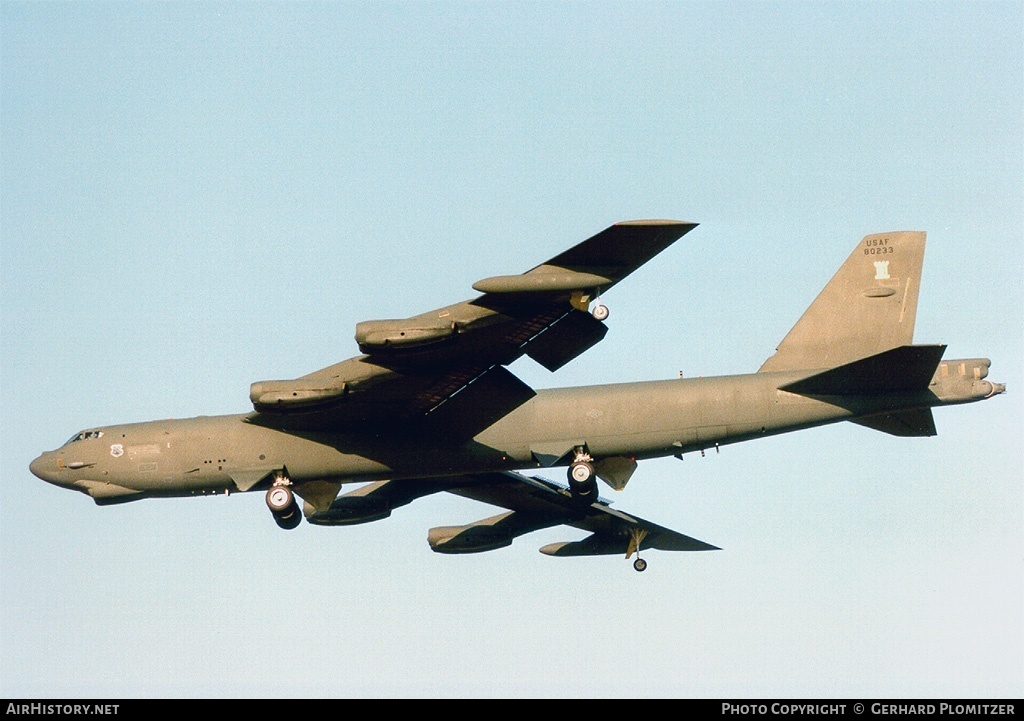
(581, 300)
(582, 479)
(281, 502)
(636, 537)
(581, 473)
(280, 499)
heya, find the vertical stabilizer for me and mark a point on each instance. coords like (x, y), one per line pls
(868, 307)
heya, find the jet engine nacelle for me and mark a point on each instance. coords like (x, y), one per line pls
(486, 535)
(378, 335)
(372, 502)
(474, 538)
(268, 396)
(351, 511)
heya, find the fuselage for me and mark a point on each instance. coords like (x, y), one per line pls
(224, 454)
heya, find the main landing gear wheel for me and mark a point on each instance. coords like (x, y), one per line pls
(281, 502)
(583, 482)
(600, 312)
(279, 498)
(640, 565)
(581, 473)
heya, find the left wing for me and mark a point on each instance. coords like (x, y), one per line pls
(410, 369)
(532, 503)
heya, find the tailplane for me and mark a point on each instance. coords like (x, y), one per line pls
(916, 422)
(907, 370)
(868, 307)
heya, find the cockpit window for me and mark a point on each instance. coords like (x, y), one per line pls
(84, 435)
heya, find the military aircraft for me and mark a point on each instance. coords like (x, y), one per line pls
(429, 406)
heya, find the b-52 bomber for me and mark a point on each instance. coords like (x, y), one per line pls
(429, 406)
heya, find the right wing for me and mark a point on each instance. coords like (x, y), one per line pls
(532, 503)
(455, 356)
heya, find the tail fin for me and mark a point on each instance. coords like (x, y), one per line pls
(868, 307)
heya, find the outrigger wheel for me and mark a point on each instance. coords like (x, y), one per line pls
(636, 537)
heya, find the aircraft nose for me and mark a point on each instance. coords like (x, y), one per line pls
(40, 468)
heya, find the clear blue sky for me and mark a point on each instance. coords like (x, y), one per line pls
(196, 196)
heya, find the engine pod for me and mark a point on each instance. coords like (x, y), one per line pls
(375, 335)
(284, 395)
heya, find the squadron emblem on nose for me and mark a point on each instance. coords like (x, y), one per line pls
(117, 450)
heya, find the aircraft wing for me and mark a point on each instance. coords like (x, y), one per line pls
(532, 504)
(455, 356)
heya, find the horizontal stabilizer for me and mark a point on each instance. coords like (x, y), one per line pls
(904, 369)
(907, 424)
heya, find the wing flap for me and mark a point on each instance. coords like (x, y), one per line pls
(476, 405)
(569, 337)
